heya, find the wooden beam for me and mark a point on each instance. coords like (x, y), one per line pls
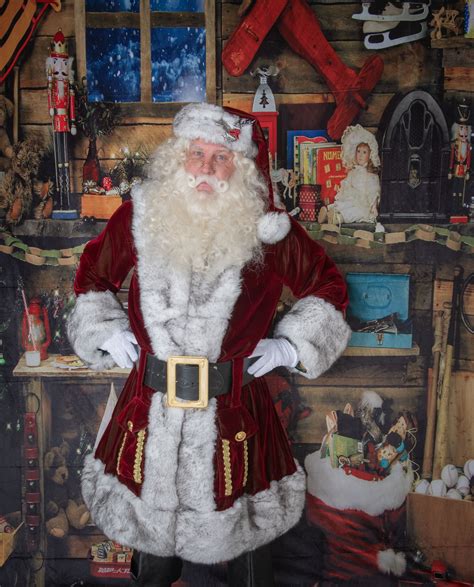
(210, 12)
(80, 27)
(145, 51)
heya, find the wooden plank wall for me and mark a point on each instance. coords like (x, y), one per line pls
(133, 133)
(407, 67)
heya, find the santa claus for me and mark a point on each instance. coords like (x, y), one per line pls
(194, 463)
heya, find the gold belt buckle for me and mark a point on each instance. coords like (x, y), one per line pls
(203, 387)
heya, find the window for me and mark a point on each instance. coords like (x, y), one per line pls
(148, 55)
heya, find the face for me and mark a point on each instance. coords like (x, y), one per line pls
(59, 67)
(207, 159)
(362, 155)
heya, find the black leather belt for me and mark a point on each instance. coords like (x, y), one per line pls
(187, 377)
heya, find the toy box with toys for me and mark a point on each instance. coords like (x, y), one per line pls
(357, 487)
(110, 559)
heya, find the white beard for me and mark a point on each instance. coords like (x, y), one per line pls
(203, 231)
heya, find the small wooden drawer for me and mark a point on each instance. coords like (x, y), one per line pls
(99, 206)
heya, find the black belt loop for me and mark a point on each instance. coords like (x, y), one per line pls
(187, 377)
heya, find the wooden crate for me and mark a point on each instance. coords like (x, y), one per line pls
(8, 542)
(443, 529)
(99, 206)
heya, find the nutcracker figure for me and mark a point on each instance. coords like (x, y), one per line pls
(62, 111)
(460, 160)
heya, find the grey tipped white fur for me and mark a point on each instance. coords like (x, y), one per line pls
(95, 318)
(180, 517)
(318, 332)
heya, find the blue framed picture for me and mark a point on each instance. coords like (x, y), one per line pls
(290, 139)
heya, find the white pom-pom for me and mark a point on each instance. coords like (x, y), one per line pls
(450, 475)
(438, 488)
(273, 227)
(422, 486)
(463, 485)
(453, 494)
(469, 468)
(391, 562)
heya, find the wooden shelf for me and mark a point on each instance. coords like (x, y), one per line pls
(452, 43)
(46, 369)
(359, 351)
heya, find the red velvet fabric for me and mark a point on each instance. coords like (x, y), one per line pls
(353, 538)
(296, 261)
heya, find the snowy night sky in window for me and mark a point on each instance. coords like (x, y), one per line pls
(178, 67)
(113, 64)
(177, 5)
(113, 5)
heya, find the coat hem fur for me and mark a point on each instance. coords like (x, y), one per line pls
(207, 537)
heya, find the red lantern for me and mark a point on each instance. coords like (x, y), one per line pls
(36, 335)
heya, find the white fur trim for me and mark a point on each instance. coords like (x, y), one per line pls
(391, 562)
(213, 124)
(345, 492)
(94, 319)
(273, 227)
(176, 513)
(185, 313)
(318, 332)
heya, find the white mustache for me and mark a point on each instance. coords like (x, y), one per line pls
(219, 186)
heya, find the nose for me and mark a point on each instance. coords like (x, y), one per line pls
(208, 165)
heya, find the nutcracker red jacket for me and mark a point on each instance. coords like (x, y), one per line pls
(172, 481)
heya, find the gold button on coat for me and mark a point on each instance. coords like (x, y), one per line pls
(240, 436)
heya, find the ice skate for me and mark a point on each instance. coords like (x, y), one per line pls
(405, 32)
(378, 26)
(393, 11)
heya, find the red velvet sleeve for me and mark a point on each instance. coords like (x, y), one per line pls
(107, 259)
(307, 270)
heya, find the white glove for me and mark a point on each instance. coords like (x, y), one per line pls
(121, 349)
(273, 352)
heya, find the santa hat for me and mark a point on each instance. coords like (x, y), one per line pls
(241, 132)
(213, 124)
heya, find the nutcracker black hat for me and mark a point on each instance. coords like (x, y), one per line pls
(463, 113)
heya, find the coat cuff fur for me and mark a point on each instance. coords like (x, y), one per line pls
(94, 319)
(318, 332)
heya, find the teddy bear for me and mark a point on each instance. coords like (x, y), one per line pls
(6, 149)
(16, 190)
(64, 506)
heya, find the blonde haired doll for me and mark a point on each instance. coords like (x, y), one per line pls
(359, 193)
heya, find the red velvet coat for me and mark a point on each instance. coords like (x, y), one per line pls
(247, 468)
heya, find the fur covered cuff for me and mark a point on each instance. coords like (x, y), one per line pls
(318, 332)
(94, 319)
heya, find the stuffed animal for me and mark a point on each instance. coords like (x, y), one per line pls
(6, 149)
(16, 191)
(64, 506)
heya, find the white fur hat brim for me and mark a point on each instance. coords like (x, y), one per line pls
(213, 124)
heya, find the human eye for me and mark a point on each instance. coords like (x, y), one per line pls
(223, 157)
(196, 153)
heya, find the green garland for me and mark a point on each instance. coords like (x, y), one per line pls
(17, 248)
(326, 232)
(372, 240)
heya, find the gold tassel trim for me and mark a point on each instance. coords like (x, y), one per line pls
(122, 446)
(227, 471)
(137, 466)
(246, 463)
